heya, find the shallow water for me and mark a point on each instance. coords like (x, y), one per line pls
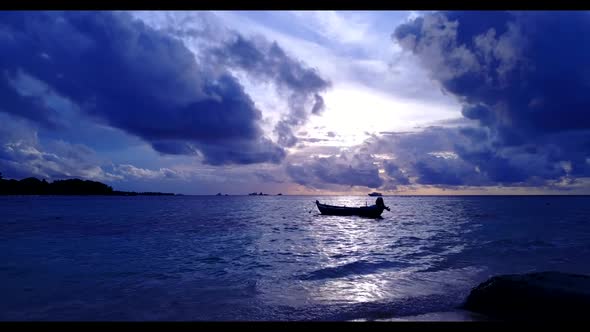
(270, 258)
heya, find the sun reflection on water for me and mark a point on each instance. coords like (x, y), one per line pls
(368, 260)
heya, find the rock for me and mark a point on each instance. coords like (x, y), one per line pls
(543, 295)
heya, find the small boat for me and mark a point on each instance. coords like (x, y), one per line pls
(374, 194)
(373, 211)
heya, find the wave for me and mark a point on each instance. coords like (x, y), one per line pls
(361, 267)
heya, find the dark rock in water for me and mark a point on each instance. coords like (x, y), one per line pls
(539, 296)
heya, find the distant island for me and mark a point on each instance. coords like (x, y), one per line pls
(34, 186)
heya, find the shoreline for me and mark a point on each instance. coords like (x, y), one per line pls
(457, 315)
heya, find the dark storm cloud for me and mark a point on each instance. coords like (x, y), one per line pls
(524, 78)
(242, 152)
(355, 170)
(465, 157)
(132, 77)
(425, 157)
(434, 170)
(30, 107)
(267, 61)
(396, 174)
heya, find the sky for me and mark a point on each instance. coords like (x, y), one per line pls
(299, 102)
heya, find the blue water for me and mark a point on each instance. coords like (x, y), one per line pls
(269, 258)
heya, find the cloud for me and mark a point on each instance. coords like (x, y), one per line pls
(268, 62)
(347, 169)
(313, 139)
(242, 152)
(22, 155)
(363, 66)
(130, 171)
(268, 178)
(424, 157)
(396, 174)
(340, 27)
(521, 71)
(439, 156)
(261, 60)
(444, 171)
(464, 156)
(127, 75)
(522, 77)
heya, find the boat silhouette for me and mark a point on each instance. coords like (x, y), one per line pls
(373, 211)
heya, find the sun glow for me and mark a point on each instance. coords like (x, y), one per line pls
(355, 112)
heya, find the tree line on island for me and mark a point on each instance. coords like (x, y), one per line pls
(34, 186)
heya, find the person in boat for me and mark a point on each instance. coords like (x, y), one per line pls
(379, 202)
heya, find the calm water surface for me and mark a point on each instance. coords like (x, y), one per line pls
(269, 257)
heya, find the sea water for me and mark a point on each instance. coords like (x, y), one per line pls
(226, 258)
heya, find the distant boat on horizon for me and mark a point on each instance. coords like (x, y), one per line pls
(375, 194)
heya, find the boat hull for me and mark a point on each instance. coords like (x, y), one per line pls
(368, 211)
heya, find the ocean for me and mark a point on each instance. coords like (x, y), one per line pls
(273, 258)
